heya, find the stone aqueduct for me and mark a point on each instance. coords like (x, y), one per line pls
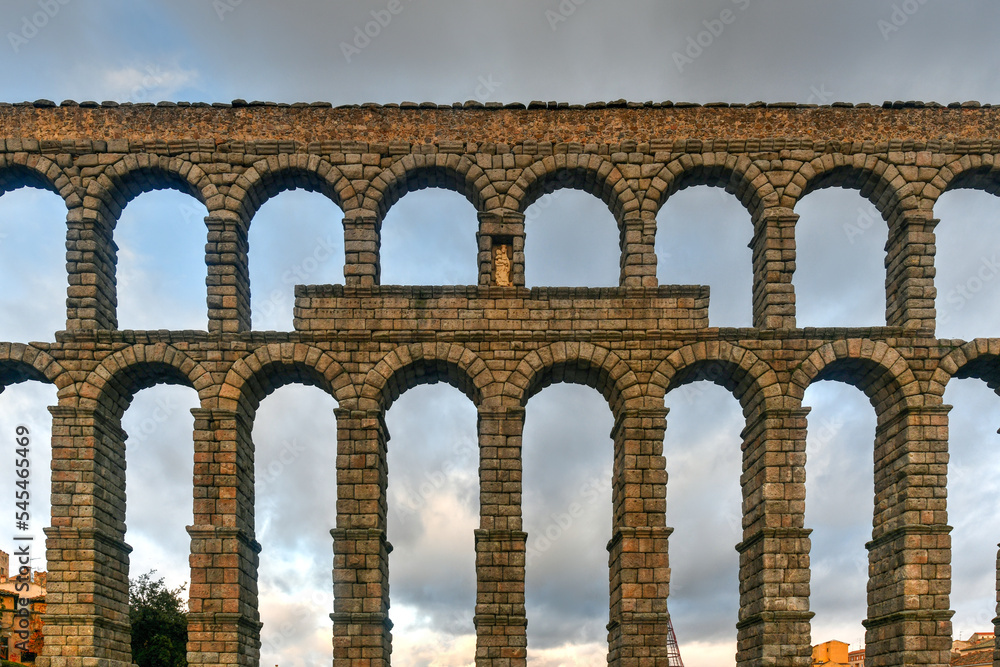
(365, 344)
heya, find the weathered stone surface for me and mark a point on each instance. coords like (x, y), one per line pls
(365, 344)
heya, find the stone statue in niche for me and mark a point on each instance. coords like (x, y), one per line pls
(501, 266)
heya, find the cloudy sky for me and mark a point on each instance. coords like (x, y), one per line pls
(518, 50)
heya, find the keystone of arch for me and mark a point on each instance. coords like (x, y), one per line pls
(19, 362)
(599, 368)
(140, 366)
(750, 379)
(601, 178)
(472, 377)
(884, 375)
(257, 371)
(950, 366)
(448, 170)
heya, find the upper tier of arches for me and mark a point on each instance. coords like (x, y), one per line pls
(903, 186)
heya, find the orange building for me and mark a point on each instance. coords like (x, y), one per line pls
(12, 645)
(856, 658)
(975, 651)
(830, 654)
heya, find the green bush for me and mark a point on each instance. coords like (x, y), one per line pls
(159, 623)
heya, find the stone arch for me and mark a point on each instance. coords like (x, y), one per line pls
(30, 170)
(20, 363)
(872, 366)
(878, 181)
(974, 172)
(428, 170)
(256, 375)
(137, 173)
(426, 363)
(979, 358)
(121, 375)
(737, 174)
(580, 171)
(578, 363)
(751, 380)
(278, 173)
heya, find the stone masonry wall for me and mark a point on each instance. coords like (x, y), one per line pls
(499, 343)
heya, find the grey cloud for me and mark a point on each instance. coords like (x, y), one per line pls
(444, 51)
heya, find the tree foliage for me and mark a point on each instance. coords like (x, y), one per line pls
(159, 622)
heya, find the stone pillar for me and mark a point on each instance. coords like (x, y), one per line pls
(361, 625)
(500, 619)
(223, 619)
(638, 252)
(909, 557)
(637, 551)
(362, 239)
(773, 626)
(91, 254)
(909, 276)
(496, 229)
(87, 618)
(228, 278)
(773, 247)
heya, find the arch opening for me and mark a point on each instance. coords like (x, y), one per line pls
(296, 238)
(702, 449)
(432, 512)
(973, 496)
(839, 507)
(967, 262)
(570, 241)
(161, 271)
(295, 503)
(840, 243)
(714, 231)
(429, 238)
(568, 459)
(32, 262)
(159, 465)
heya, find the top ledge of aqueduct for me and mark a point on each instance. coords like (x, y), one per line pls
(428, 123)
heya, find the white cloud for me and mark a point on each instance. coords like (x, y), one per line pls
(145, 82)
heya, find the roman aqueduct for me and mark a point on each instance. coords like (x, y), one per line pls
(499, 343)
